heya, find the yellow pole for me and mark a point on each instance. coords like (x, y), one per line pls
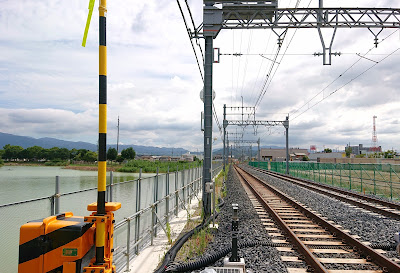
(102, 160)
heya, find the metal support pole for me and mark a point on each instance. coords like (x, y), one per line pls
(208, 66)
(128, 243)
(176, 191)
(167, 199)
(225, 123)
(286, 125)
(155, 200)
(57, 196)
(259, 152)
(138, 200)
(111, 186)
(152, 224)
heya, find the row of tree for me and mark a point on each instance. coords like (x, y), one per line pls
(36, 153)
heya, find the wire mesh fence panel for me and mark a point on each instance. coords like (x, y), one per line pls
(77, 202)
(125, 193)
(147, 192)
(11, 219)
(120, 244)
(377, 179)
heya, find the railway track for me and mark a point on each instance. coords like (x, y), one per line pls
(322, 245)
(386, 208)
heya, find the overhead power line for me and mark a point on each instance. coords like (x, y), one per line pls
(188, 30)
(363, 56)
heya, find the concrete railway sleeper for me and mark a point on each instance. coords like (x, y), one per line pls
(383, 207)
(309, 233)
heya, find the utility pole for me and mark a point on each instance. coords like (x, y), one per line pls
(259, 151)
(118, 136)
(224, 125)
(286, 125)
(211, 19)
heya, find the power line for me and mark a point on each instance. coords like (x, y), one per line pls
(340, 75)
(347, 83)
(190, 39)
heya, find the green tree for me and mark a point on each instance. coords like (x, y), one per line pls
(12, 152)
(348, 151)
(90, 156)
(34, 152)
(128, 153)
(120, 159)
(112, 154)
(63, 154)
(327, 150)
(389, 154)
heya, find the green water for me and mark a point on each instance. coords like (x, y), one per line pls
(18, 183)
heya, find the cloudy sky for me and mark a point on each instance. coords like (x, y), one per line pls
(49, 82)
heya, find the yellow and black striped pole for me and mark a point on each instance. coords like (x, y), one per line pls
(102, 160)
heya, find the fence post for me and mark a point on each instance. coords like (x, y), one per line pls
(152, 224)
(138, 195)
(374, 179)
(167, 198)
(128, 248)
(333, 167)
(176, 191)
(391, 183)
(325, 165)
(361, 187)
(57, 196)
(111, 185)
(350, 176)
(183, 185)
(155, 200)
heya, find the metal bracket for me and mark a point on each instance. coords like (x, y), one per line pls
(376, 36)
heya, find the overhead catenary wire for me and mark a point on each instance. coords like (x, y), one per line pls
(190, 39)
(348, 82)
(363, 56)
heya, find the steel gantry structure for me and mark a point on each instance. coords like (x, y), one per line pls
(255, 123)
(235, 14)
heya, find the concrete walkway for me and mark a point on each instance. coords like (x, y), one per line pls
(150, 257)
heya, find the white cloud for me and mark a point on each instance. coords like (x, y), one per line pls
(49, 83)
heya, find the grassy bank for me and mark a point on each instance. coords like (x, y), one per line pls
(134, 166)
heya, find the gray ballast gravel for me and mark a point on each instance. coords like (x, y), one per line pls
(258, 259)
(371, 227)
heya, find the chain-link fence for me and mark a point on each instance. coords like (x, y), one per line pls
(378, 179)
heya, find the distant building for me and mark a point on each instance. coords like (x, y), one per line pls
(318, 156)
(188, 157)
(147, 157)
(164, 158)
(360, 149)
(280, 154)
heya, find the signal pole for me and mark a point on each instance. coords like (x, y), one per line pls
(118, 136)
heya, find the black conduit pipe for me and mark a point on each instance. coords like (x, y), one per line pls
(171, 254)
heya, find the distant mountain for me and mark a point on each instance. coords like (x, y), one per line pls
(48, 142)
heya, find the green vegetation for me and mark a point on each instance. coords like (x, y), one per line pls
(327, 150)
(196, 244)
(1, 162)
(128, 153)
(112, 154)
(151, 167)
(59, 156)
(348, 151)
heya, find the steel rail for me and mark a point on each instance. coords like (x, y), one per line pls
(301, 248)
(364, 250)
(303, 183)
